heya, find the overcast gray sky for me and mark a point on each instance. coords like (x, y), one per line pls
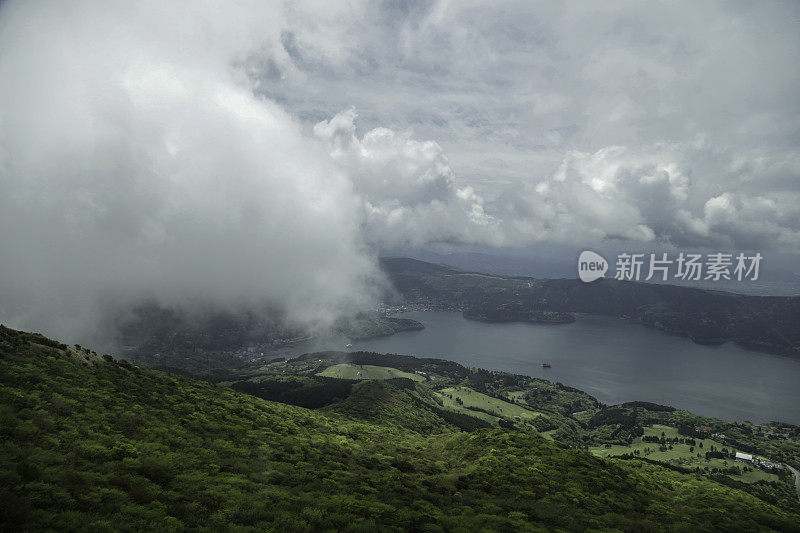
(672, 121)
(237, 153)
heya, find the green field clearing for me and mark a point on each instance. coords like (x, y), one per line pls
(680, 455)
(472, 398)
(351, 371)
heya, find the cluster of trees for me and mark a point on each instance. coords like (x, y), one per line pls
(306, 391)
(717, 453)
(663, 439)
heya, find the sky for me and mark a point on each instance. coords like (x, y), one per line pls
(244, 154)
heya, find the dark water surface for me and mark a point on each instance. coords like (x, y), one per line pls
(611, 359)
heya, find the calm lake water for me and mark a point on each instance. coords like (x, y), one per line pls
(611, 359)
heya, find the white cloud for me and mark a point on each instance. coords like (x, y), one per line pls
(145, 166)
(652, 194)
(407, 187)
(141, 170)
(750, 221)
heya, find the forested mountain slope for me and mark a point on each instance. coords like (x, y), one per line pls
(96, 444)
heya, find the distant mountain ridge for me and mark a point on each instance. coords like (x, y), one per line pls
(777, 276)
(767, 323)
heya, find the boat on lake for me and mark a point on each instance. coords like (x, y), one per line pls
(546, 365)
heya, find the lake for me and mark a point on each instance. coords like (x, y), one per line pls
(611, 359)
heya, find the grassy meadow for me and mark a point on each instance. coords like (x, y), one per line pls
(682, 454)
(351, 371)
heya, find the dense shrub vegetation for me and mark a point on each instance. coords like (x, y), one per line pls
(95, 444)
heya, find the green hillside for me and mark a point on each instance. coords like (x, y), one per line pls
(350, 371)
(471, 398)
(396, 404)
(89, 443)
(686, 455)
